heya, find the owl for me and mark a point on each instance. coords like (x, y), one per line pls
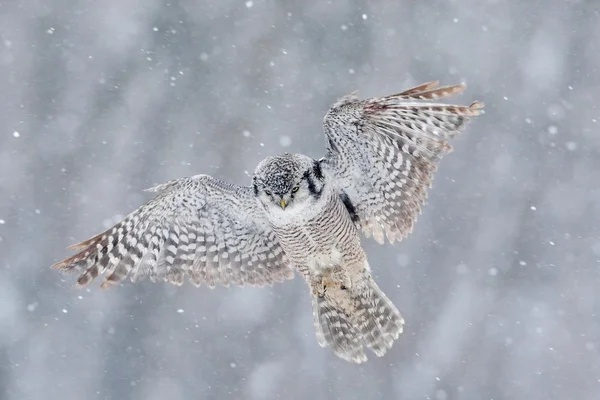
(299, 215)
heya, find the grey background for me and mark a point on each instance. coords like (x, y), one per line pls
(498, 283)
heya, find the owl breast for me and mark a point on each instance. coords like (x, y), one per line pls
(324, 238)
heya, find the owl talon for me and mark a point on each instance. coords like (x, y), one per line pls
(330, 280)
(320, 285)
(340, 278)
(317, 288)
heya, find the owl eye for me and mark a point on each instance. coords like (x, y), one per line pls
(295, 189)
(268, 193)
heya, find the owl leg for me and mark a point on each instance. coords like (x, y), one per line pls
(336, 278)
(318, 285)
(339, 277)
(331, 278)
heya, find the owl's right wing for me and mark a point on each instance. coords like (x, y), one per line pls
(213, 231)
(382, 153)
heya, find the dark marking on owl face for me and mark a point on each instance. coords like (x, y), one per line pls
(279, 174)
(314, 179)
(317, 170)
(349, 206)
(285, 180)
(315, 186)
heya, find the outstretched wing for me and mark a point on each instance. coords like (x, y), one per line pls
(210, 230)
(383, 152)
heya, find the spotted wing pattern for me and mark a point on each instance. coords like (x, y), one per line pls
(383, 152)
(212, 231)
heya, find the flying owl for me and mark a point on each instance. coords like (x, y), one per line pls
(299, 214)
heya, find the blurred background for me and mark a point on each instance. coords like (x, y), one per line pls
(498, 283)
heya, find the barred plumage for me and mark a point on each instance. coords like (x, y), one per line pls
(299, 214)
(384, 152)
(214, 232)
(359, 314)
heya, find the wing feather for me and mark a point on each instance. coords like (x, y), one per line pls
(383, 152)
(200, 227)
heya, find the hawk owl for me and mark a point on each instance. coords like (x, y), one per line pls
(299, 214)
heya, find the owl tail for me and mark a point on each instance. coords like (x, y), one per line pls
(335, 329)
(368, 319)
(378, 320)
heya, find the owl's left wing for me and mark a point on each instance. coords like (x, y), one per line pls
(212, 231)
(383, 152)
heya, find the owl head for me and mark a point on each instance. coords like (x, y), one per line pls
(288, 182)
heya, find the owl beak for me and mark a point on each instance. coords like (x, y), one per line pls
(282, 203)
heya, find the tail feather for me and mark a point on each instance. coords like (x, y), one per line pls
(366, 317)
(381, 322)
(334, 328)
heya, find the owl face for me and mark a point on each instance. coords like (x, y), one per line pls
(287, 183)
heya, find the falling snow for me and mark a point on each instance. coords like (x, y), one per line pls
(501, 268)
(285, 141)
(571, 146)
